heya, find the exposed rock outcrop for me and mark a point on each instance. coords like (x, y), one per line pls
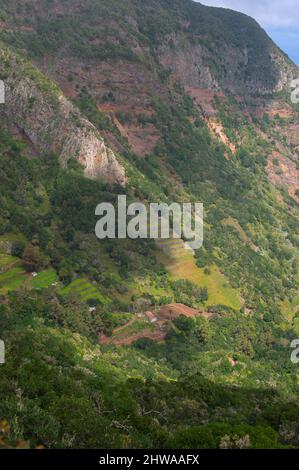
(52, 123)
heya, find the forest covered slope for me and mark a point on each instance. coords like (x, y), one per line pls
(166, 101)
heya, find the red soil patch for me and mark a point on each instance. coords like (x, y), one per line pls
(217, 128)
(173, 311)
(279, 108)
(167, 313)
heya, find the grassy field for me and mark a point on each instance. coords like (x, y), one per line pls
(182, 265)
(132, 328)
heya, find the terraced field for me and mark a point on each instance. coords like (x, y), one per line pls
(6, 261)
(12, 274)
(12, 279)
(85, 290)
(44, 279)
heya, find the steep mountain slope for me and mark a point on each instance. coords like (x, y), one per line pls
(40, 112)
(141, 47)
(220, 48)
(194, 104)
(149, 48)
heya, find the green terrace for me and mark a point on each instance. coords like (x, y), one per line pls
(44, 279)
(85, 291)
(12, 274)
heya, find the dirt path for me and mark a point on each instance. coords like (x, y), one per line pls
(164, 316)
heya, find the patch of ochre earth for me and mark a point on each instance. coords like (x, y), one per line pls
(284, 173)
(173, 311)
(217, 128)
(232, 361)
(279, 108)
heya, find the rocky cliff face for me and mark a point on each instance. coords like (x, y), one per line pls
(141, 42)
(38, 109)
(143, 50)
(191, 64)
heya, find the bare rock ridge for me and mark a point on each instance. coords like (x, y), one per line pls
(52, 123)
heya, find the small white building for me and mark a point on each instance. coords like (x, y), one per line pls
(150, 316)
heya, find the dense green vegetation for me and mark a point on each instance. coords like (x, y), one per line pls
(223, 379)
(52, 332)
(62, 391)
